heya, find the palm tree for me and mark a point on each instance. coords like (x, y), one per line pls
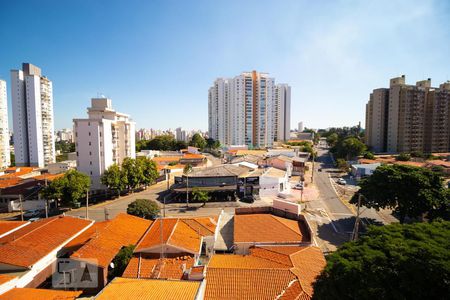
(186, 170)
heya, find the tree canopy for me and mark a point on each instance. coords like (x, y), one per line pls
(410, 191)
(390, 262)
(70, 189)
(132, 174)
(143, 208)
(200, 195)
(198, 141)
(121, 260)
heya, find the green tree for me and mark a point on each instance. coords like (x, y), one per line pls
(69, 189)
(410, 191)
(149, 170)
(121, 260)
(390, 262)
(351, 147)
(114, 179)
(198, 141)
(133, 172)
(403, 157)
(342, 164)
(332, 139)
(143, 208)
(369, 155)
(200, 195)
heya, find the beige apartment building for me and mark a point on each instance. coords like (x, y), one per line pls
(408, 118)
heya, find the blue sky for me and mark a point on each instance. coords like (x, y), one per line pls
(157, 59)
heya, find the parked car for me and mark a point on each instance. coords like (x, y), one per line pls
(341, 181)
(32, 213)
(298, 186)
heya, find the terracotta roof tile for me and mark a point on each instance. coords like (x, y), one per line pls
(149, 289)
(246, 284)
(5, 278)
(154, 268)
(266, 228)
(243, 262)
(308, 263)
(294, 292)
(184, 234)
(38, 294)
(7, 226)
(84, 237)
(26, 246)
(121, 231)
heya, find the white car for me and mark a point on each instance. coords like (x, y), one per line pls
(341, 181)
(298, 186)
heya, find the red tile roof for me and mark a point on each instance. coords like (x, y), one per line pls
(184, 234)
(29, 244)
(303, 263)
(104, 245)
(267, 228)
(246, 284)
(6, 226)
(5, 278)
(149, 289)
(153, 267)
(38, 294)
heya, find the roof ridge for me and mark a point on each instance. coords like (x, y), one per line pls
(171, 234)
(299, 281)
(276, 218)
(144, 235)
(273, 259)
(288, 286)
(39, 227)
(195, 220)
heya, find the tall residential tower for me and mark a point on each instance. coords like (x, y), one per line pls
(32, 105)
(104, 138)
(249, 109)
(409, 118)
(4, 129)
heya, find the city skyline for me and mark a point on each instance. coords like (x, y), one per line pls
(328, 52)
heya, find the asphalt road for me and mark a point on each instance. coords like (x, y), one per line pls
(340, 214)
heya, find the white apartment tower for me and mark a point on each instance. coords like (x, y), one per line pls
(249, 109)
(104, 138)
(5, 160)
(282, 111)
(32, 105)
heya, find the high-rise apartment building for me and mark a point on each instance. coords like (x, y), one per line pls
(181, 135)
(32, 105)
(300, 127)
(5, 159)
(104, 138)
(249, 109)
(408, 118)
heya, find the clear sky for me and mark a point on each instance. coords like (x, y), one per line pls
(157, 59)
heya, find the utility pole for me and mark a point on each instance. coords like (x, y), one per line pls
(164, 206)
(106, 214)
(356, 227)
(312, 171)
(187, 189)
(87, 204)
(21, 208)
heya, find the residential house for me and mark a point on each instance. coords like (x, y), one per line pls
(132, 288)
(27, 254)
(107, 240)
(39, 294)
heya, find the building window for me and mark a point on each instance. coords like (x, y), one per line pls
(91, 172)
(89, 133)
(89, 143)
(90, 163)
(90, 153)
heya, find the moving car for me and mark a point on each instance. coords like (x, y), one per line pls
(341, 181)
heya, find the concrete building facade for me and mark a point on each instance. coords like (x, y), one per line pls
(32, 104)
(104, 138)
(5, 159)
(409, 118)
(243, 110)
